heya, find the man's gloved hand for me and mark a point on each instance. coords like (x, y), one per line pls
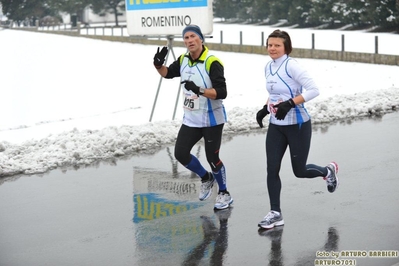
(190, 86)
(159, 57)
(262, 113)
(283, 108)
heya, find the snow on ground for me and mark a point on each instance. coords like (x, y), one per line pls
(71, 101)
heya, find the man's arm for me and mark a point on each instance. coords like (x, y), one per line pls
(163, 70)
(219, 90)
(170, 72)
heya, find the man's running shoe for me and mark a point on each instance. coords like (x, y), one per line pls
(206, 187)
(271, 220)
(223, 200)
(332, 178)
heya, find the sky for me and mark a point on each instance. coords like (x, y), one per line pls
(72, 101)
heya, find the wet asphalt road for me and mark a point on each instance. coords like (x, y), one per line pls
(144, 210)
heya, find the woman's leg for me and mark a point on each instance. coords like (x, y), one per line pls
(299, 139)
(276, 145)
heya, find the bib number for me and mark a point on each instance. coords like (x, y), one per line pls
(191, 102)
(272, 102)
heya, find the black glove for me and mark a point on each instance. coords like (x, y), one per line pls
(159, 57)
(283, 108)
(190, 86)
(261, 114)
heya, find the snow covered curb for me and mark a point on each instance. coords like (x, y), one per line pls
(79, 148)
(327, 110)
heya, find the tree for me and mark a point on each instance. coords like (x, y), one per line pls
(278, 10)
(245, 8)
(353, 12)
(384, 13)
(253, 10)
(72, 7)
(299, 11)
(102, 7)
(261, 10)
(323, 12)
(220, 10)
(10, 6)
(23, 10)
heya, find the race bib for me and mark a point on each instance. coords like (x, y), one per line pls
(191, 102)
(274, 100)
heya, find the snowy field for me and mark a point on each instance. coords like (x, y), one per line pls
(71, 101)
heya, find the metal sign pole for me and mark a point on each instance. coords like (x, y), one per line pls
(178, 90)
(170, 49)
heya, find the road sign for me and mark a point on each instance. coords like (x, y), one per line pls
(167, 17)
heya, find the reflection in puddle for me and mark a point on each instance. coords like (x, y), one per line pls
(171, 222)
(275, 235)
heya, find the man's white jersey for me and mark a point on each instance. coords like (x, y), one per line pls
(200, 111)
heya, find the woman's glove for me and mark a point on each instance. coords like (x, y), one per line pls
(261, 114)
(283, 108)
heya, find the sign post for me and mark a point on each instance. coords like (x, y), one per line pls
(170, 49)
